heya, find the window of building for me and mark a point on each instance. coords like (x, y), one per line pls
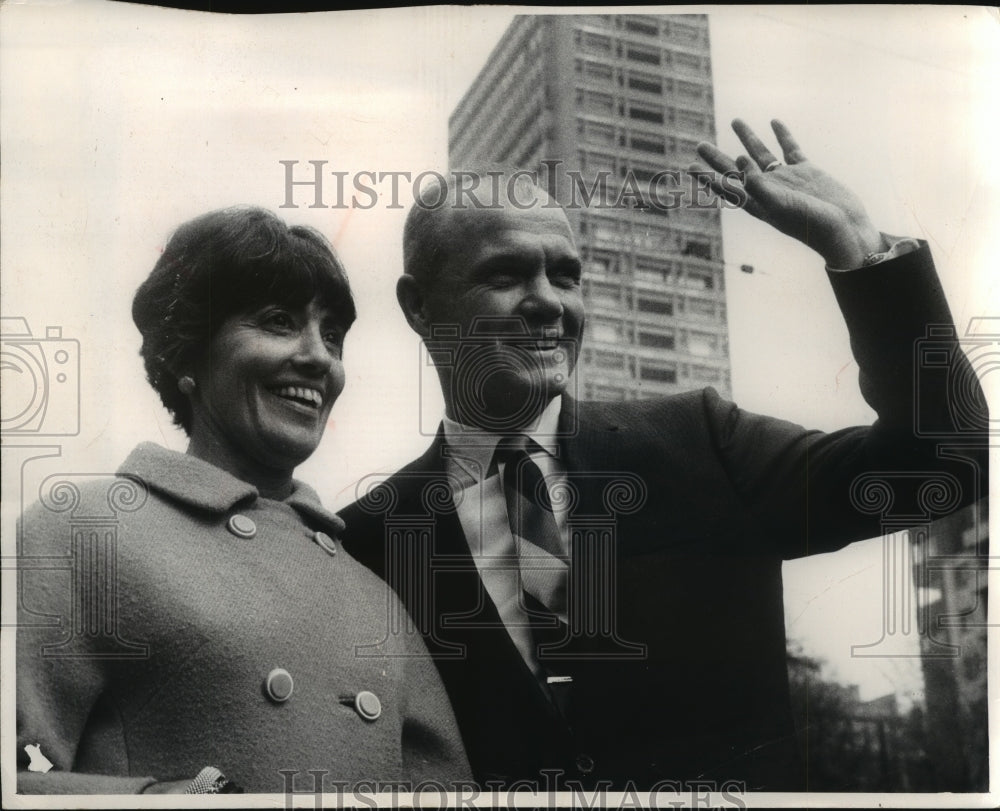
(601, 262)
(701, 308)
(596, 162)
(608, 393)
(600, 134)
(699, 280)
(639, 171)
(657, 340)
(654, 239)
(690, 89)
(687, 60)
(690, 121)
(655, 306)
(645, 112)
(645, 82)
(609, 361)
(608, 332)
(703, 344)
(643, 25)
(686, 147)
(597, 43)
(684, 31)
(596, 71)
(659, 374)
(648, 56)
(647, 143)
(605, 229)
(595, 103)
(648, 394)
(706, 374)
(528, 126)
(699, 249)
(605, 295)
(651, 270)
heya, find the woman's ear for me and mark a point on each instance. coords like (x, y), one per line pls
(185, 376)
(186, 384)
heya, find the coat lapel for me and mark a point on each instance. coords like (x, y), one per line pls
(604, 486)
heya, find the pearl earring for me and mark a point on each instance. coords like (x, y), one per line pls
(186, 384)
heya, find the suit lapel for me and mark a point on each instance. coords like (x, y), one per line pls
(591, 447)
(596, 456)
(464, 613)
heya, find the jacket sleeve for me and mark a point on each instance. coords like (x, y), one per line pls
(58, 696)
(925, 455)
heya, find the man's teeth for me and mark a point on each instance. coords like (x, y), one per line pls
(310, 396)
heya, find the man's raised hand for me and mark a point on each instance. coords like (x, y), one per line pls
(796, 197)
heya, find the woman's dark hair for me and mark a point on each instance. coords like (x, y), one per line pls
(220, 264)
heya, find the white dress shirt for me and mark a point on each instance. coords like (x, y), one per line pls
(482, 510)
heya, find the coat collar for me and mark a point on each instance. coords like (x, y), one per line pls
(196, 483)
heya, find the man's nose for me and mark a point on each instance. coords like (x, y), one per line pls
(542, 301)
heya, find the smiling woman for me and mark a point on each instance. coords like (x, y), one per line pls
(272, 305)
(244, 639)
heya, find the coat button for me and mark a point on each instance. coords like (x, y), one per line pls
(279, 685)
(326, 542)
(584, 763)
(241, 526)
(368, 705)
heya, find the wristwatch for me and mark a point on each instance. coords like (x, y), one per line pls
(211, 781)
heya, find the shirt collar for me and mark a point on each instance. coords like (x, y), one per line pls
(197, 483)
(473, 448)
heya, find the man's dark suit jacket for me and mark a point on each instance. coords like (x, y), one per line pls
(709, 501)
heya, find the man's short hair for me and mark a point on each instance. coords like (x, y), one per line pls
(427, 238)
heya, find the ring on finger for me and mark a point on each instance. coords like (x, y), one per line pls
(773, 165)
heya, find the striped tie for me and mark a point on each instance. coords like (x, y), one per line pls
(542, 561)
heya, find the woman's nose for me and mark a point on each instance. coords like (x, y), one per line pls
(312, 349)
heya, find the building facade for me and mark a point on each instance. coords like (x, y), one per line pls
(608, 110)
(950, 571)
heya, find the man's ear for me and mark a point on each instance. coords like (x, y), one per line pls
(412, 301)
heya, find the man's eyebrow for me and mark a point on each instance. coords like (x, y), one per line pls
(567, 263)
(508, 262)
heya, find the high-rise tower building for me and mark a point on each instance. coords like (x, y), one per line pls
(618, 100)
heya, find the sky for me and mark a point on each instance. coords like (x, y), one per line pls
(119, 122)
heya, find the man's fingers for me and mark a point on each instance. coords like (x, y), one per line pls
(754, 146)
(725, 191)
(747, 166)
(715, 157)
(789, 146)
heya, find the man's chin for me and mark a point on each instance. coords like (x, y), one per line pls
(509, 404)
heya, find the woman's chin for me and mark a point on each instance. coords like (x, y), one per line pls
(290, 452)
